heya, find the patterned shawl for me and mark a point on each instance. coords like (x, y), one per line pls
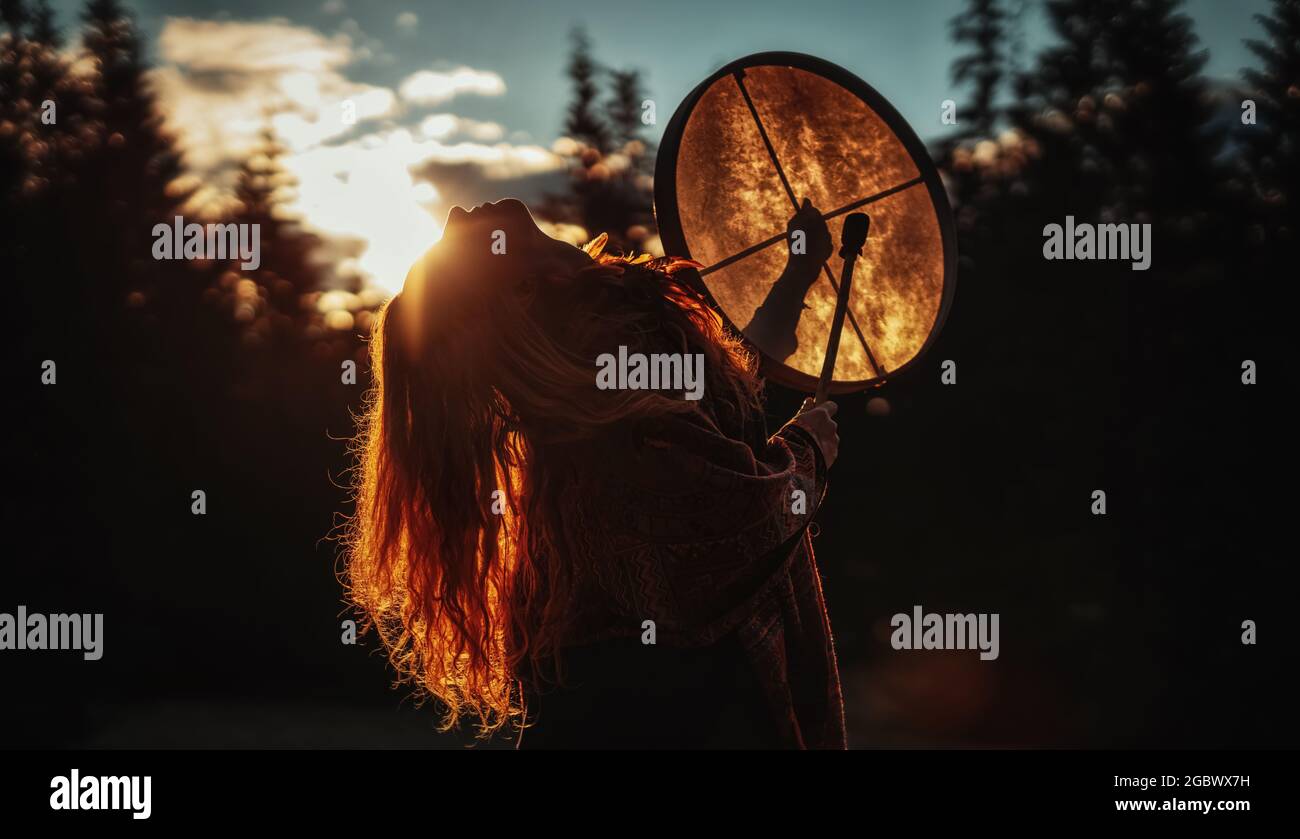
(695, 523)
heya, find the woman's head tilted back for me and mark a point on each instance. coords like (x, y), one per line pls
(484, 368)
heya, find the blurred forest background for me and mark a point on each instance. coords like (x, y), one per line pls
(1120, 630)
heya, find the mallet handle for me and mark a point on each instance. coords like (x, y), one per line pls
(853, 238)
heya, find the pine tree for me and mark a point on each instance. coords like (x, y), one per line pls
(263, 190)
(626, 95)
(633, 184)
(51, 82)
(584, 123)
(44, 29)
(43, 132)
(1274, 140)
(15, 16)
(34, 74)
(131, 174)
(1056, 107)
(13, 153)
(983, 26)
(607, 194)
(1163, 149)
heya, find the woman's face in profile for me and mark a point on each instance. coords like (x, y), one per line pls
(500, 239)
(485, 253)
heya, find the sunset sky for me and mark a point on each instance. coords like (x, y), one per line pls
(464, 102)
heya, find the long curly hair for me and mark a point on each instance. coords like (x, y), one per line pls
(455, 555)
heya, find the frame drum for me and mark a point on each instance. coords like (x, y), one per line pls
(740, 155)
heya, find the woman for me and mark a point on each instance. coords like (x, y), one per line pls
(594, 566)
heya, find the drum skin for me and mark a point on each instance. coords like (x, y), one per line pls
(753, 141)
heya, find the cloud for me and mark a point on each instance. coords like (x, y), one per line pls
(209, 46)
(222, 83)
(333, 7)
(374, 179)
(434, 87)
(444, 126)
(408, 20)
(364, 47)
(384, 187)
(467, 183)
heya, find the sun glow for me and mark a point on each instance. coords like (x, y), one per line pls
(364, 158)
(366, 192)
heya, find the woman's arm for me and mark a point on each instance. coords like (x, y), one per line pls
(775, 322)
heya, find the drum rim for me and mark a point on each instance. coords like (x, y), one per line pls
(674, 241)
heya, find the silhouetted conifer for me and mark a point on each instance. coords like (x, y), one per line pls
(982, 26)
(1274, 140)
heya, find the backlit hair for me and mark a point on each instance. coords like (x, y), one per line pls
(473, 386)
